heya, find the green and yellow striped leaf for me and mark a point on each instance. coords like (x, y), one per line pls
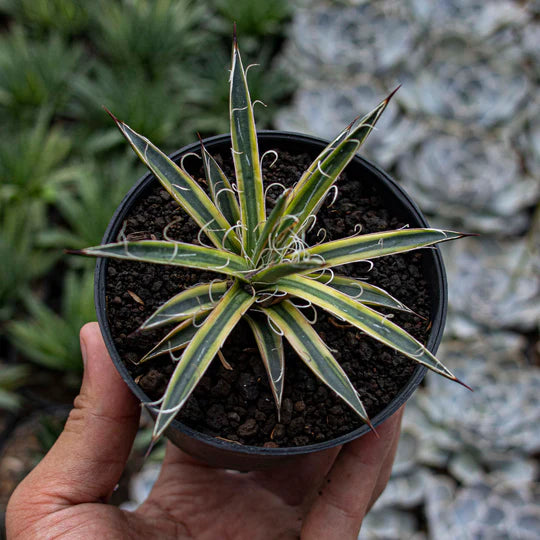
(277, 271)
(177, 339)
(276, 214)
(245, 154)
(373, 245)
(310, 191)
(189, 195)
(363, 292)
(220, 188)
(174, 253)
(186, 304)
(358, 129)
(200, 352)
(306, 198)
(315, 354)
(364, 318)
(270, 347)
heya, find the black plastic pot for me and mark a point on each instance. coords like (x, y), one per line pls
(231, 455)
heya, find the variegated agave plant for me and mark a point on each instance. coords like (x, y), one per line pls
(266, 262)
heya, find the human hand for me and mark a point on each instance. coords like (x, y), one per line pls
(320, 496)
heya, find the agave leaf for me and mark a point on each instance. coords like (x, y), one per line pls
(310, 191)
(363, 292)
(270, 224)
(186, 304)
(270, 346)
(272, 273)
(360, 129)
(373, 245)
(315, 354)
(357, 129)
(220, 187)
(305, 199)
(177, 339)
(372, 323)
(189, 195)
(245, 154)
(200, 352)
(174, 253)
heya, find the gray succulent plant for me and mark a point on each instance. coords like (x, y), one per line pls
(487, 452)
(465, 84)
(485, 190)
(487, 510)
(475, 18)
(500, 279)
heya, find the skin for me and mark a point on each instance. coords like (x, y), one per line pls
(325, 495)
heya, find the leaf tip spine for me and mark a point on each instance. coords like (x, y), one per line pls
(151, 446)
(372, 428)
(349, 127)
(137, 331)
(459, 381)
(392, 93)
(111, 115)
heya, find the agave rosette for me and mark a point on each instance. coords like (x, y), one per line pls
(265, 262)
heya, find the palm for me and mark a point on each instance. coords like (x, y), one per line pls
(213, 503)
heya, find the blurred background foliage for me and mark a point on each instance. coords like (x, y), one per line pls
(159, 65)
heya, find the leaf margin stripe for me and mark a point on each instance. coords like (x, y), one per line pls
(305, 198)
(272, 273)
(356, 132)
(348, 285)
(270, 224)
(270, 347)
(352, 130)
(235, 265)
(196, 298)
(371, 246)
(313, 351)
(200, 352)
(344, 307)
(223, 196)
(180, 336)
(245, 150)
(198, 205)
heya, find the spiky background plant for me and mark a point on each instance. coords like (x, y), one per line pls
(267, 264)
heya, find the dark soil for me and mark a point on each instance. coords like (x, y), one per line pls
(237, 404)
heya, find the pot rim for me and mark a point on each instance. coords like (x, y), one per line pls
(401, 397)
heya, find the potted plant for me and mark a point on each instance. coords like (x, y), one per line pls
(246, 255)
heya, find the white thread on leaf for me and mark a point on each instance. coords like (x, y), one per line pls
(271, 164)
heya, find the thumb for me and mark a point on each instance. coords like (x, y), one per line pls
(86, 462)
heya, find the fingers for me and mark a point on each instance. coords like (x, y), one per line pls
(86, 461)
(348, 489)
(386, 469)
